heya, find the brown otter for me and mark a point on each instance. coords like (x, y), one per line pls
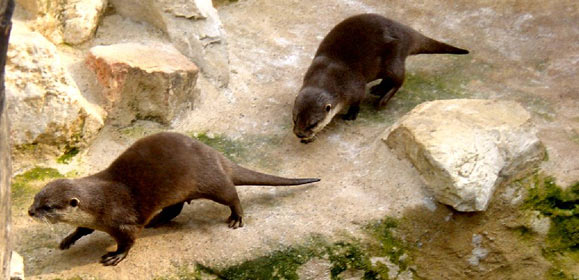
(157, 173)
(360, 49)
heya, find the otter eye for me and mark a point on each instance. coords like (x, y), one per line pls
(328, 107)
(74, 202)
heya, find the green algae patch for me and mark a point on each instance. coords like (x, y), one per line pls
(561, 246)
(69, 153)
(234, 150)
(26, 184)
(281, 264)
(249, 149)
(370, 257)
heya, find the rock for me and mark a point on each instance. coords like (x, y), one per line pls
(16, 267)
(193, 26)
(66, 21)
(5, 176)
(44, 104)
(315, 269)
(465, 148)
(144, 82)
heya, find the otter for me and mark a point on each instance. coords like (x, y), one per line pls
(155, 175)
(358, 50)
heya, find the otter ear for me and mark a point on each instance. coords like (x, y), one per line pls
(328, 107)
(74, 202)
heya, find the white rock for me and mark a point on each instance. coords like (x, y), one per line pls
(144, 81)
(66, 21)
(44, 103)
(193, 26)
(16, 267)
(465, 148)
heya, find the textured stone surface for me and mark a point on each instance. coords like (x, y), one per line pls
(144, 82)
(66, 21)
(465, 148)
(44, 103)
(193, 26)
(5, 241)
(16, 267)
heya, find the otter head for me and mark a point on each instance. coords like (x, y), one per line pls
(313, 109)
(56, 202)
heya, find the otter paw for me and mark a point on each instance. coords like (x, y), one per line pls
(377, 90)
(235, 221)
(349, 117)
(112, 258)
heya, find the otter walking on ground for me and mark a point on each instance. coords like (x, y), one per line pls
(360, 49)
(157, 173)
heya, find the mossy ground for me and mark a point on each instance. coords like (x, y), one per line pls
(251, 149)
(365, 256)
(68, 154)
(25, 185)
(561, 246)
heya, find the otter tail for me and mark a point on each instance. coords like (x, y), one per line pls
(425, 45)
(244, 176)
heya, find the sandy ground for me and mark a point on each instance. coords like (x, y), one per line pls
(520, 50)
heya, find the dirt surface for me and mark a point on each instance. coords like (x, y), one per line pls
(520, 50)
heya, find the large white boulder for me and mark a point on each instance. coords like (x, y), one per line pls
(154, 82)
(44, 104)
(66, 21)
(463, 149)
(193, 26)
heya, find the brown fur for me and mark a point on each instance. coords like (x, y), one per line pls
(157, 173)
(360, 49)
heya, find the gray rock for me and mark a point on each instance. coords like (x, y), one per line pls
(44, 104)
(193, 26)
(465, 148)
(315, 269)
(153, 82)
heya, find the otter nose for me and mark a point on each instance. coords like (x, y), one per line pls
(31, 212)
(300, 135)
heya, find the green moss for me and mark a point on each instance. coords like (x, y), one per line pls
(23, 187)
(234, 150)
(562, 207)
(251, 149)
(387, 244)
(363, 255)
(69, 153)
(282, 264)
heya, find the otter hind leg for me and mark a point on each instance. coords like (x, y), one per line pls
(166, 215)
(392, 75)
(227, 195)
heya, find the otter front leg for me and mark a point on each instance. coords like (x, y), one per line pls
(352, 113)
(73, 237)
(125, 240)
